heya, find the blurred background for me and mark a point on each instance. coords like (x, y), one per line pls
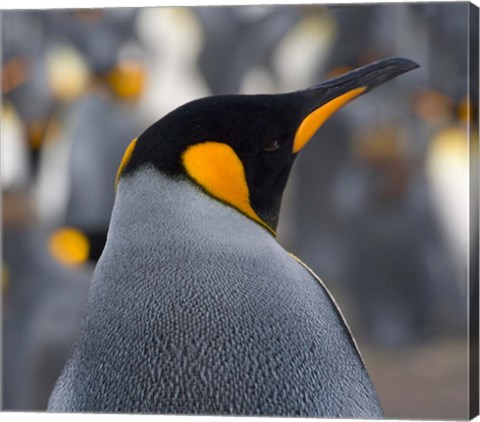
(378, 206)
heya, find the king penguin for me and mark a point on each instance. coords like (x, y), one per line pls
(194, 307)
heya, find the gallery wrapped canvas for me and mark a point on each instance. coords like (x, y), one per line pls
(262, 210)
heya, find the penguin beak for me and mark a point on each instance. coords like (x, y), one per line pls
(327, 97)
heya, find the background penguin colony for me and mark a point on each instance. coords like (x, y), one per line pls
(364, 179)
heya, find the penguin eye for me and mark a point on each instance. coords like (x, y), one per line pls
(271, 146)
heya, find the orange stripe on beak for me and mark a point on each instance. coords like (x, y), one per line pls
(316, 118)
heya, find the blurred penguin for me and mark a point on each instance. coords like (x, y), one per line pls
(448, 169)
(68, 77)
(40, 320)
(97, 33)
(392, 242)
(24, 78)
(239, 39)
(99, 128)
(172, 38)
(96, 118)
(14, 158)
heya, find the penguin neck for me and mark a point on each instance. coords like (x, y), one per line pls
(154, 209)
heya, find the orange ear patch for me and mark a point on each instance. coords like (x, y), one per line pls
(316, 118)
(217, 168)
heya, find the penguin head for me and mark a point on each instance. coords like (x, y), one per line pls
(239, 149)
